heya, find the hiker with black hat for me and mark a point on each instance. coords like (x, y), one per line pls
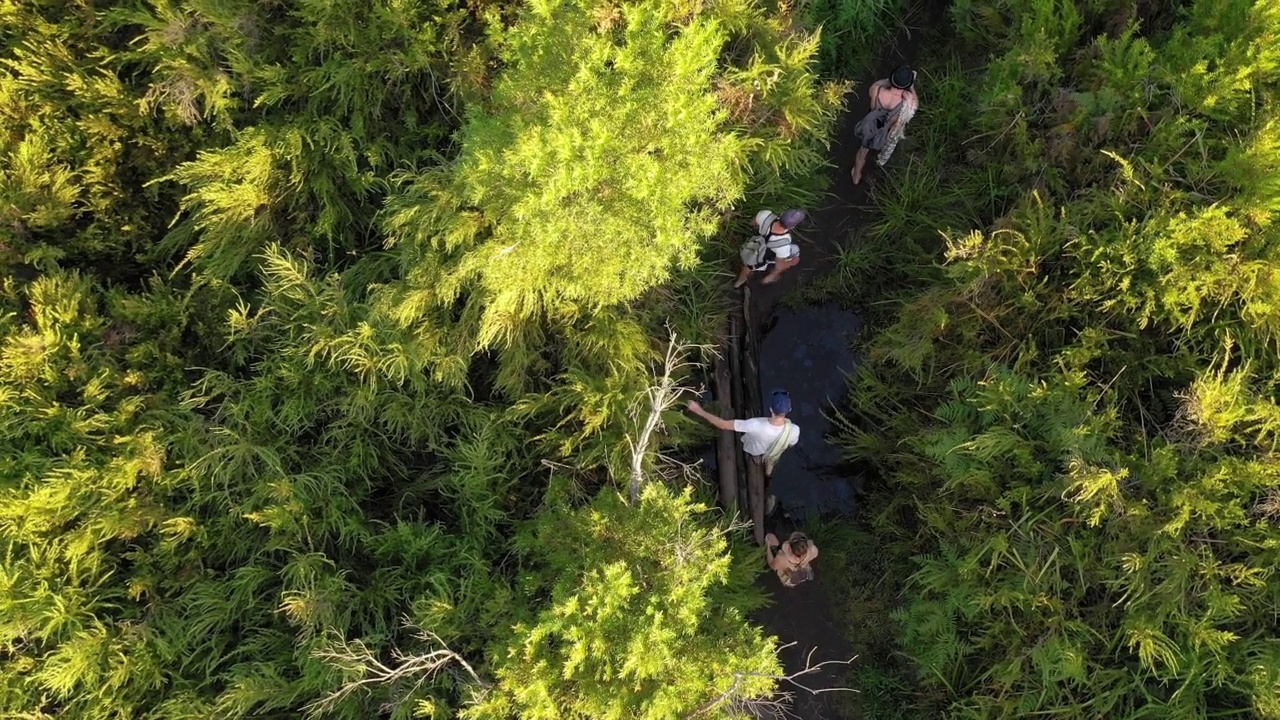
(763, 438)
(893, 103)
(771, 247)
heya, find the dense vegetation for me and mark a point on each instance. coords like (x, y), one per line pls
(1069, 410)
(326, 328)
(328, 325)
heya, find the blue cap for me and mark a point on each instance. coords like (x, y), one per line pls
(780, 402)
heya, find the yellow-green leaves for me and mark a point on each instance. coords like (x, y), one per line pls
(1080, 465)
(1097, 489)
(638, 625)
(598, 167)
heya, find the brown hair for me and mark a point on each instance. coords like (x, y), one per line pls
(799, 544)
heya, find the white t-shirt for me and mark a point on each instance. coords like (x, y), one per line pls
(758, 434)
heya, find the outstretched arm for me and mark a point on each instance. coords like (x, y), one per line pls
(775, 561)
(770, 542)
(718, 422)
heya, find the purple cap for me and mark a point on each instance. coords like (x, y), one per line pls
(792, 218)
(780, 402)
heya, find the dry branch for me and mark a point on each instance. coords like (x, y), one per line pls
(368, 671)
(662, 396)
(778, 703)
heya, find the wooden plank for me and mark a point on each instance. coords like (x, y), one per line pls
(734, 349)
(726, 443)
(751, 408)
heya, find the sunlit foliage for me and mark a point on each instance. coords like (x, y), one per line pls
(251, 414)
(638, 626)
(1073, 421)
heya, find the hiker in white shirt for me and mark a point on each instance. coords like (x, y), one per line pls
(771, 249)
(764, 439)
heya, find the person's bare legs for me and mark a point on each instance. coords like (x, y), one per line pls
(778, 268)
(858, 164)
(742, 277)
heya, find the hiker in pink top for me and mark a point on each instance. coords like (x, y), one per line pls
(893, 103)
(793, 559)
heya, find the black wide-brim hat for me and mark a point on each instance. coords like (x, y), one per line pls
(902, 78)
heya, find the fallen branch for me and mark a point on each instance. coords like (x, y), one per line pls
(776, 705)
(355, 658)
(662, 396)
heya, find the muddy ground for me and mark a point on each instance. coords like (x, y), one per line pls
(807, 351)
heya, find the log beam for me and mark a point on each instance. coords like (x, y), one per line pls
(726, 443)
(750, 408)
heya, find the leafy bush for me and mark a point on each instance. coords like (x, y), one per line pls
(646, 618)
(256, 432)
(852, 32)
(590, 176)
(1071, 425)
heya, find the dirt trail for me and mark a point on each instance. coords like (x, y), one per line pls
(806, 351)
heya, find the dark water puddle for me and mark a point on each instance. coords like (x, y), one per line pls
(808, 352)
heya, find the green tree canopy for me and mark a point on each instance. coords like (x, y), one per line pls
(1075, 417)
(645, 619)
(596, 168)
(251, 429)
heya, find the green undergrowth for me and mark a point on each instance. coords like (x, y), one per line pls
(854, 31)
(1066, 409)
(863, 583)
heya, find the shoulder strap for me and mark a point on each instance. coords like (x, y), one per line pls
(780, 443)
(770, 238)
(766, 228)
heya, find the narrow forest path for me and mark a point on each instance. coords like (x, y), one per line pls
(807, 351)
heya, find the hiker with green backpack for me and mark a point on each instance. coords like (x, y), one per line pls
(763, 438)
(771, 248)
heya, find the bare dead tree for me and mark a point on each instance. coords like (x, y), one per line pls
(685, 549)
(678, 472)
(661, 397)
(777, 704)
(367, 670)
